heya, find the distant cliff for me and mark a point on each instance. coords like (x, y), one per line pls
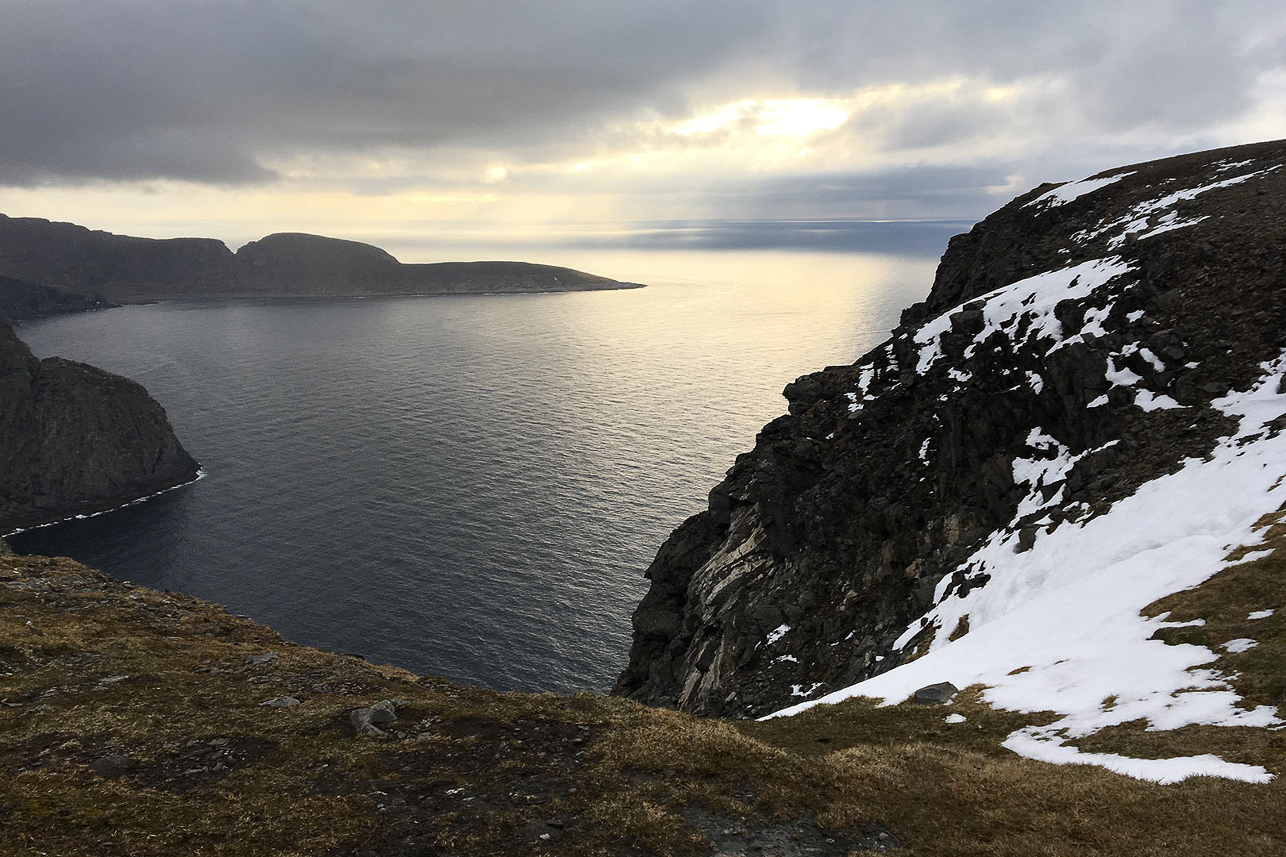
(1069, 352)
(120, 268)
(21, 300)
(75, 439)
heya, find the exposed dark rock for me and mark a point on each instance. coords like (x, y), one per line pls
(75, 439)
(860, 509)
(936, 694)
(112, 765)
(120, 268)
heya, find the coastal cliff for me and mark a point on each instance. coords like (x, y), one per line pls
(68, 258)
(1077, 344)
(1081, 427)
(21, 300)
(75, 439)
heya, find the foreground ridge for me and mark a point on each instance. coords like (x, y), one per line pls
(1084, 414)
(137, 722)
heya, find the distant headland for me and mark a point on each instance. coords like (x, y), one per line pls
(48, 267)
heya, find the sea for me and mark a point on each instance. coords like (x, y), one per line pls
(465, 486)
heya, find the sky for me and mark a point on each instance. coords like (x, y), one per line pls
(423, 125)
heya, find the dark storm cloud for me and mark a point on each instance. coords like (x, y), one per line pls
(203, 90)
(216, 91)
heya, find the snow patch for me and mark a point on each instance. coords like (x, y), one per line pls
(1146, 219)
(1074, 601)
(1239, 645)
(1065, 193)
(1164, 771)
(1150, 401)
(800, 690)
(777, 633)
(1029, 301)
(1260, 614)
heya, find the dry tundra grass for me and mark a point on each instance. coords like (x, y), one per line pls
(132, 724)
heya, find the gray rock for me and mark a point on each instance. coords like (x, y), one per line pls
(112, 765)
(936, 694)
(383, 712)
(364, 719)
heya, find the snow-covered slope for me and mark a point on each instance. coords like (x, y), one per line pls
(1059, 627)
(1083, 417)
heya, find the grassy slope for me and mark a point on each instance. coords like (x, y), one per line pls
(131, 724)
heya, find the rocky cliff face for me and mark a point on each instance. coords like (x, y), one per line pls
(75, 439)
(71, 258)
(77, 259)
(1068, 352)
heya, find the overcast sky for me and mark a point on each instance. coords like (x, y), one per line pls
(513, 121)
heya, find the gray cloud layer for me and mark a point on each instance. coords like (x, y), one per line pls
(216, 92)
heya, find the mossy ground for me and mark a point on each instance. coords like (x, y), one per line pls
(132, 724)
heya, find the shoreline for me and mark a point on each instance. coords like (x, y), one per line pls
(200, 474)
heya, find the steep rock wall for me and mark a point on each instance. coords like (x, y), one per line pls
(75, 439)
(1067, 353)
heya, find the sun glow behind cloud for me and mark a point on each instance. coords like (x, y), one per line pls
(790, 117)
(819, 156)
(131, 117)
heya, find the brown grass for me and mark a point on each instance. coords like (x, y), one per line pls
(468, 771)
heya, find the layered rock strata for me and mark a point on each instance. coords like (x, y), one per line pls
(1068, 352)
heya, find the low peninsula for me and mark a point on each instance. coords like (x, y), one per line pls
(66, 267)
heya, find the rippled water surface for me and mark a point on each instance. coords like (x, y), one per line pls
(464, 486)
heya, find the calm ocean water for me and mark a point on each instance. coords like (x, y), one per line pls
(465, 486)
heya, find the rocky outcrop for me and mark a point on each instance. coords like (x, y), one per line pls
(1068, 352)
(129, 270)
(75, 439)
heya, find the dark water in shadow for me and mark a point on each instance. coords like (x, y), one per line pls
(465, 486)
